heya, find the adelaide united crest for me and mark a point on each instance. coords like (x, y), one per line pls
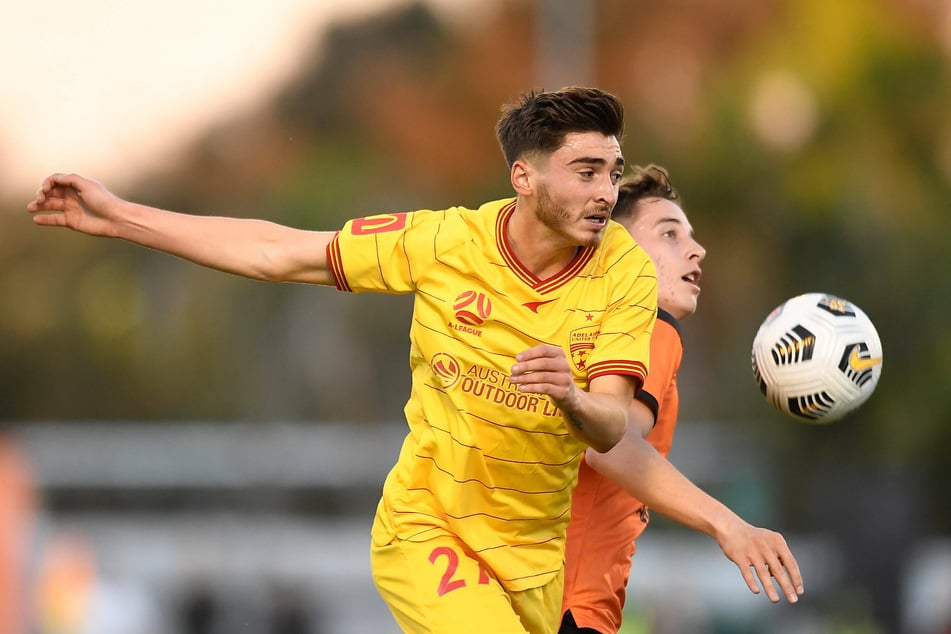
(580, 344)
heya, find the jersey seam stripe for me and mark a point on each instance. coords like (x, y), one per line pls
(335, 261)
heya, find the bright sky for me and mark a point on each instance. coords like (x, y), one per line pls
(102, 87)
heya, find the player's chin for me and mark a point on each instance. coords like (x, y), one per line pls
(591, 237)
(685, 306)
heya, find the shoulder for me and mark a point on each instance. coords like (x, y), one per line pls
(667, 321)
(494, 207)
(463, 225)
(616, 235)
(617, 245)
(484, 215)
(667, 344)
(666, 355)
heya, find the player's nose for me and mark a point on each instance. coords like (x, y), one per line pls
(607, 192)
(696, 251)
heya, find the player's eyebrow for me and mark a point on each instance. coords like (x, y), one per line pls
(676, 221)
(591, 160)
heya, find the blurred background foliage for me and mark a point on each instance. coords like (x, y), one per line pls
(811, 142)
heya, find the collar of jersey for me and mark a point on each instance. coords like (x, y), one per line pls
(541, 286)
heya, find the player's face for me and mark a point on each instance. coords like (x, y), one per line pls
(661, 228)
(577, 187)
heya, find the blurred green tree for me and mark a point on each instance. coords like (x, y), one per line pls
(811, 141)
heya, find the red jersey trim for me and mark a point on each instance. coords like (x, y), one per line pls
(628, 368)
(542, 286)
(335, 264)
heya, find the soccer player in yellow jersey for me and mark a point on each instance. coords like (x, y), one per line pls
(530, 334)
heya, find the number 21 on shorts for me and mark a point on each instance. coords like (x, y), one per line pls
(452, 577)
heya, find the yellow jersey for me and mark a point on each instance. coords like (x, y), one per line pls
(482, 460)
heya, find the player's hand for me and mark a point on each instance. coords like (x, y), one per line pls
(545, 369)
(763, 555)
(68, 200)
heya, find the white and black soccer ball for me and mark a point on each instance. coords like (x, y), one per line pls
(817, 357)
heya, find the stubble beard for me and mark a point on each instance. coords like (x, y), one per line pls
(558, 220)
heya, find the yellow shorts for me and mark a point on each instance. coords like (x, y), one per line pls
(439, 587)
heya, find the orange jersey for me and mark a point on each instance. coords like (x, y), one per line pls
(484, 461)
(605, 520)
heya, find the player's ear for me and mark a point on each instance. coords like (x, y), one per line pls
(522, 175)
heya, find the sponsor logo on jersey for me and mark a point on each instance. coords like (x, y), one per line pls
(493, 385)
(488, 384)
(446, 369)
(534, 306)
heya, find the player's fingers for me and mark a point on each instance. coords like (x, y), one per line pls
(60, 180)
(46, 203)
(58, 191)
(547, 365)
(57, 186)
(540, 380)
(791, 576)
(50, 220)
(541, 351)
(40, 197)
(778, 571)
(525, 365)
(781, 575)
(48, 184)
(47, 194)
(765, 578)
(784, 567)
(749, 578)
(527, 355)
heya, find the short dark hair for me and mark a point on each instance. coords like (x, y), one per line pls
(651, 181)
(539, 122)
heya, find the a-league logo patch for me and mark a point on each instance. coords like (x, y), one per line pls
(472, 308)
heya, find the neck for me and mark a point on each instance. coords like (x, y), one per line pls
(539, 249)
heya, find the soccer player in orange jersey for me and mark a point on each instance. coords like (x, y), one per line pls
(609, 509)
(530, 334)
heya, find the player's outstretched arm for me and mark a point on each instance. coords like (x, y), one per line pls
(759, 553)
(597, 417)
(251, 248)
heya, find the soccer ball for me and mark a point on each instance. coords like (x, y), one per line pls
(817, 357)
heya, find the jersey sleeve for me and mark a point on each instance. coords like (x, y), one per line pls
(623, 344)
(382, 253)
(666, 354)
